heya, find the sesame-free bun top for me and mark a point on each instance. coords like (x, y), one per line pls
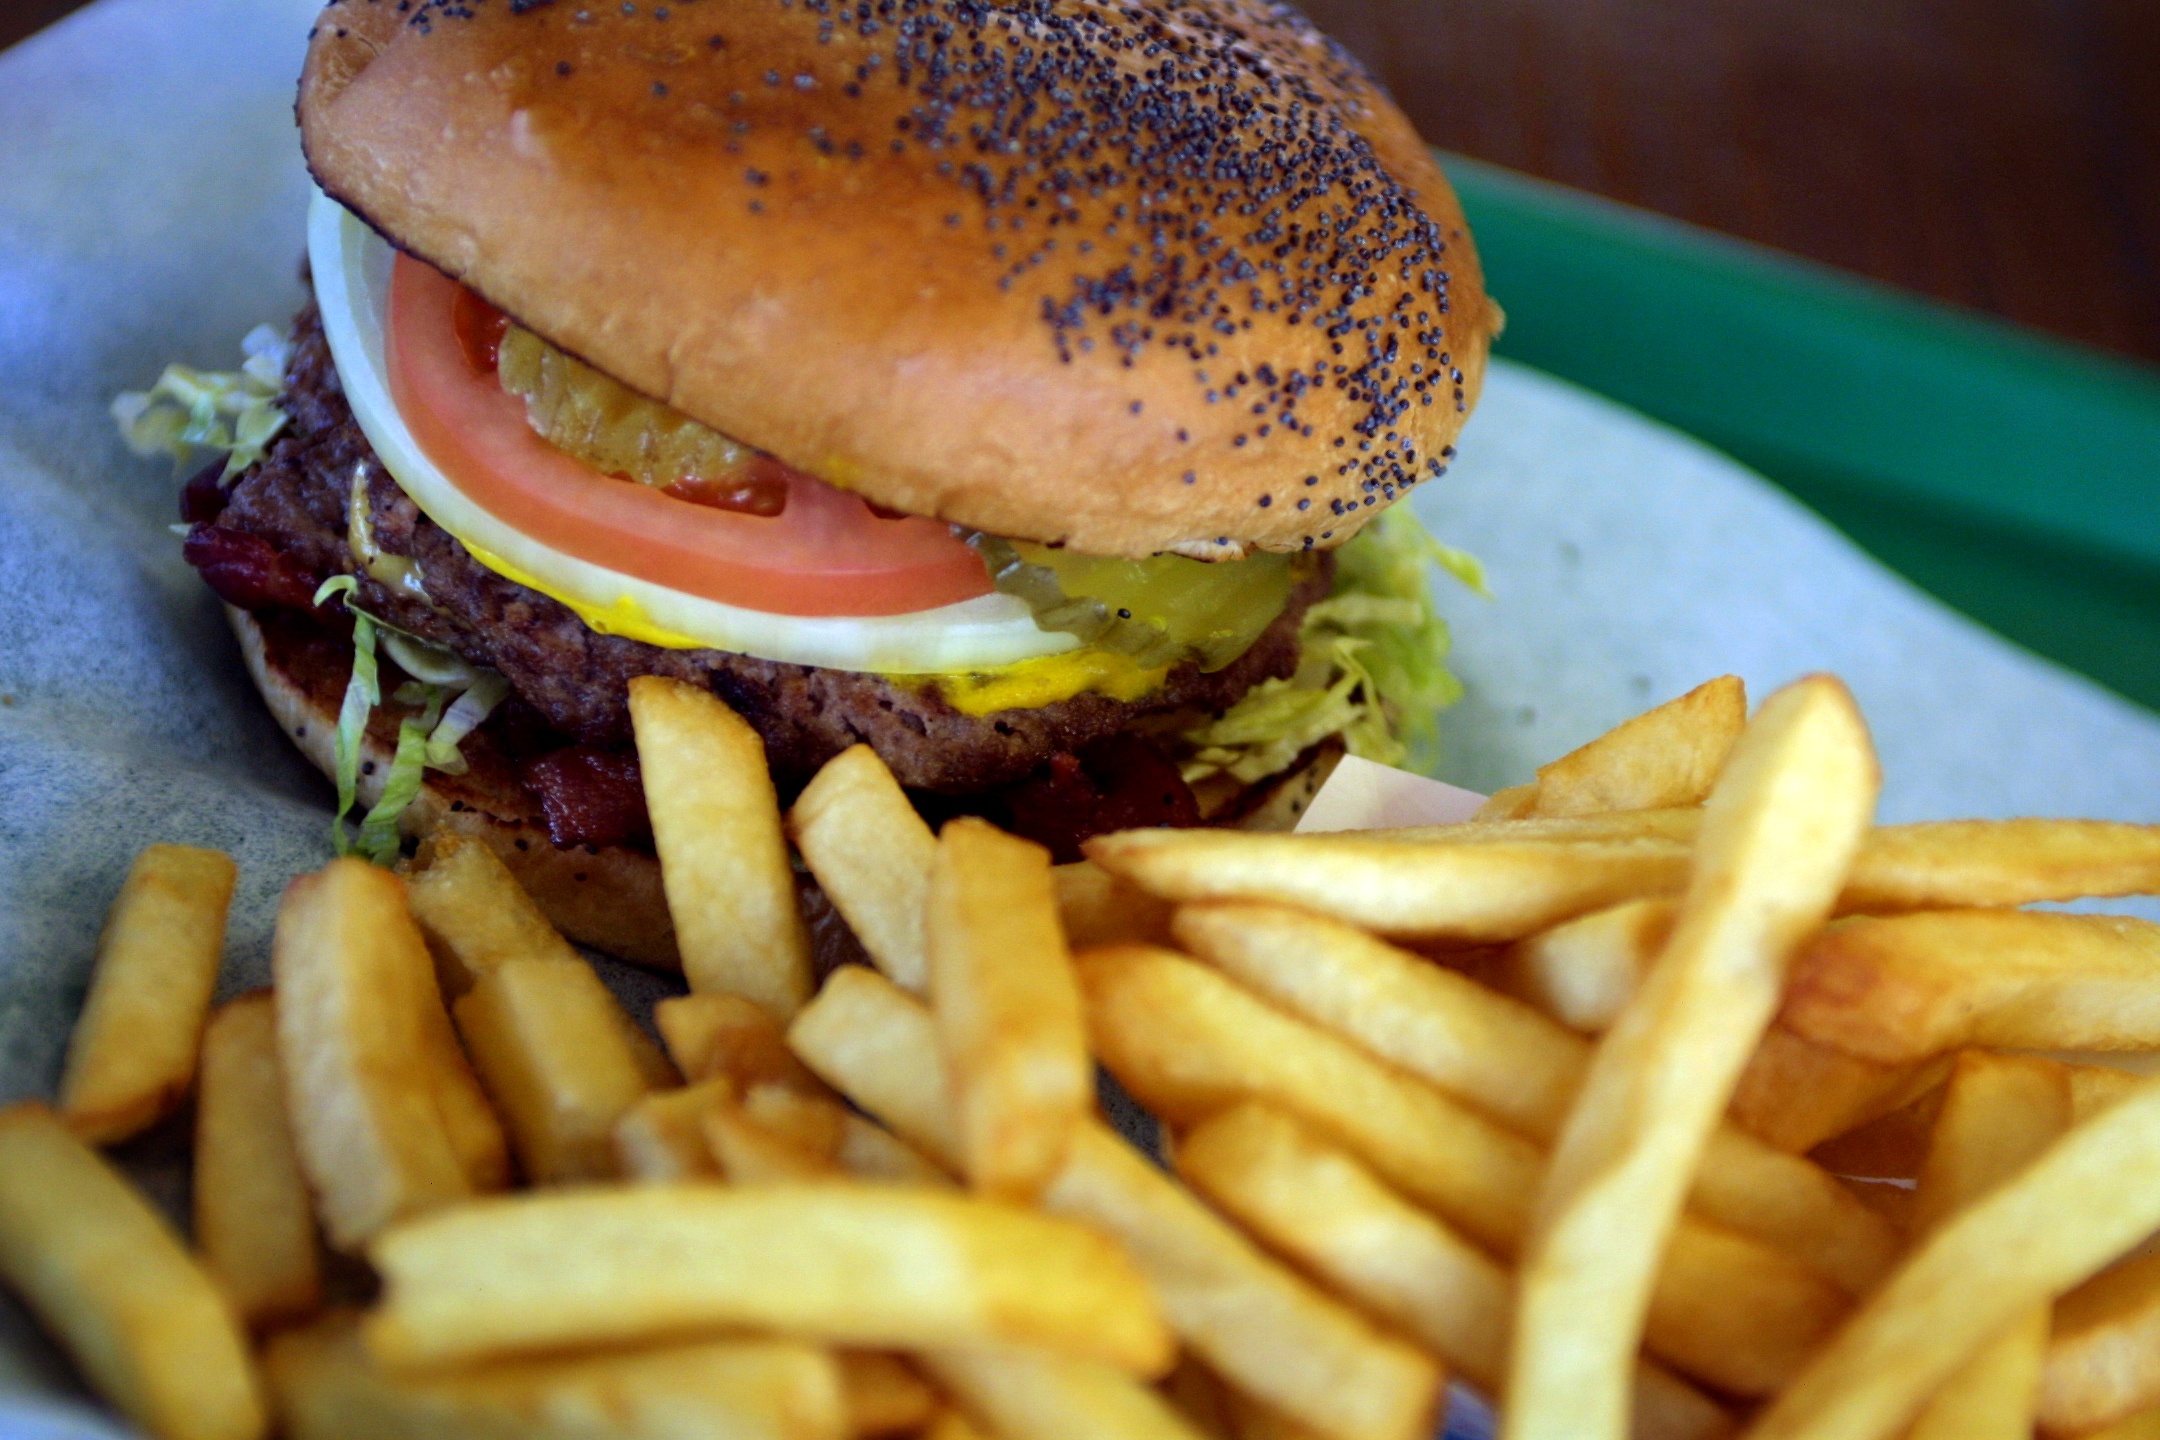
(1139, 276)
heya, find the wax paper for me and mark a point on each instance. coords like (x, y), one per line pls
(151, 201)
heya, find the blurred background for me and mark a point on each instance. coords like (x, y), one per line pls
(1902, 256)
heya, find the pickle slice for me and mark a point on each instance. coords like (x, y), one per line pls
(1160, 611)
(609, 426)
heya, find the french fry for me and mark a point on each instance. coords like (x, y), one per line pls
(1261, 1328)
(1906, 987)
(869, 1151)
(1582, 972)
(2001, 863)
(882, 1396)
(1933, 865)
(1463, 894)
(723, 858)
(1200, 1396)
(1666, 756)
(884, 1267)
(1516, 1066)
(1254, 1323)
(131, 1058)
(2145, 1425)
(953, 1425)
(1795, 1094)
(714, 1033)
(816, 1122)
(1321, 1207)
(871, 853)
(476, 1134)
(548, 1040)
(328, 1388)
(1999, 1112)
(476, 915)
(1097, 908)
(1187, 1042)
(876, 1044)
(662, 1137)
(2102, 1363)
(1890, 1147)
(1779, 834)
(108, 1278)
(361, 1079)
(2040, 1234)
(1030, 1395)
(474, 912)
(753, 1154)
(254, 1223)
(1007, 1007)
(2095, 1087)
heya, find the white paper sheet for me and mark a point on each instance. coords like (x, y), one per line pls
(151, 201)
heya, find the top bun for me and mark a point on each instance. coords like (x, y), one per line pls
(1158, 275)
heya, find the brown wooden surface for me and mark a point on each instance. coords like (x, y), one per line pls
(2003, 154)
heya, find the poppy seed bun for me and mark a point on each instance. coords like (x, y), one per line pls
(1136, 278)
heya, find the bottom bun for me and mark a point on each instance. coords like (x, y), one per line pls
(605, 896)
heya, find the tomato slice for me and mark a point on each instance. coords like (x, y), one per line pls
(826, 553)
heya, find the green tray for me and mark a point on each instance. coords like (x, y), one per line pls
(2015, 477)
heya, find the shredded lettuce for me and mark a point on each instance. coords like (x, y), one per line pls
(427, 741)
(231, 410)
(1372, 667)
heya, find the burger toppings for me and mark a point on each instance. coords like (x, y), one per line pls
(619, 432)
(1161, 611)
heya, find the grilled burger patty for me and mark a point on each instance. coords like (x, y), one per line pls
(296, 499)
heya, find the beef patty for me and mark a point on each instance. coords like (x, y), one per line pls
(296, 499)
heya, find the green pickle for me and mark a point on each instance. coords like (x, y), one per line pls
(1161, 611)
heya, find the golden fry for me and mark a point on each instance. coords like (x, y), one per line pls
(1999, 1113)
(1030, 1395)
(108, 1278)
(1464, 894)
(548, 1040)
(1515, 1065)
(1254, 1322)
(1779, 835)
(723, 858)
(1097, 908)
(869, 1151)
(1320, 1206)
(871, 853)
(1263, 1329)
(254, 1222)
(882, 1395)
(715, 1034)
(1582, 972)
(361, 1079)
(1667, 756)
(662, 1137)
(2102, 1362)
(753, 1154)
(1795, 1094)
(474, 912)
(1909, 986)
(132, 1055)
(1006, 1005)
(328, 1388)
(877, 1045)
(2058, 1221)
(1947, 863)
(884, 1266)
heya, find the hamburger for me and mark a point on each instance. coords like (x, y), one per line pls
(1016, 388)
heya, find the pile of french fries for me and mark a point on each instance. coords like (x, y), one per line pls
(1671, 1098)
